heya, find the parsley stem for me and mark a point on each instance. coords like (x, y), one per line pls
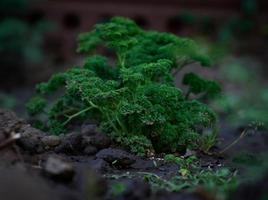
(234, 142)
(121, 60)
(188, 94)
(76, 115)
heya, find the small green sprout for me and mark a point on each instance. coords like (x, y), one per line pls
(117, 189)
(191, 176)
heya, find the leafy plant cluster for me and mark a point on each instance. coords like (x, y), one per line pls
(18, 36)
(191, 176)
(21, 37)
(7, 101)
(133, 97)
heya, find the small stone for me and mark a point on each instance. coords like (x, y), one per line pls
(71, 144)
(31, 144)
(58, 169)
(100, 141)
(90, 150)
(99, 165)
(51, 141)
(189, 153)
(30, 137)
(28, 131)
(117, 157)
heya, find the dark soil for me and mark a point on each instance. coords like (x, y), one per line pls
(86, 164)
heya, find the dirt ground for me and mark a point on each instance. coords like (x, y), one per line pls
(86, 164)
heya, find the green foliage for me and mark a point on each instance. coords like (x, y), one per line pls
(99, 64)
(135, 100)
(208, 140)
(221, 182)
(247, 159)
(192, 176)
(12, 28)
(185, 163)
(7, 101)
(55, 82)
(135, 46)
(117, 189)
(198, 85)
(138, 144)
(18, 38)
(36, 105)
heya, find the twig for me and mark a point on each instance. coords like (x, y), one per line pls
(234, 142)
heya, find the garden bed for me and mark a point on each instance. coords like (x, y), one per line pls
(85, 164)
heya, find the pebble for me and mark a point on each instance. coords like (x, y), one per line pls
(71, 144)
(100, 141)
(51, 141)
(116, 157)
(90, 150)
(58, 169)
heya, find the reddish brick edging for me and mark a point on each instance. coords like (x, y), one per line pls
(74, 16)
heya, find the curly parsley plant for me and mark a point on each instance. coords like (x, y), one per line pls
(133, 97)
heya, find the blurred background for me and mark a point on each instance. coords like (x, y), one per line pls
(38, 38)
